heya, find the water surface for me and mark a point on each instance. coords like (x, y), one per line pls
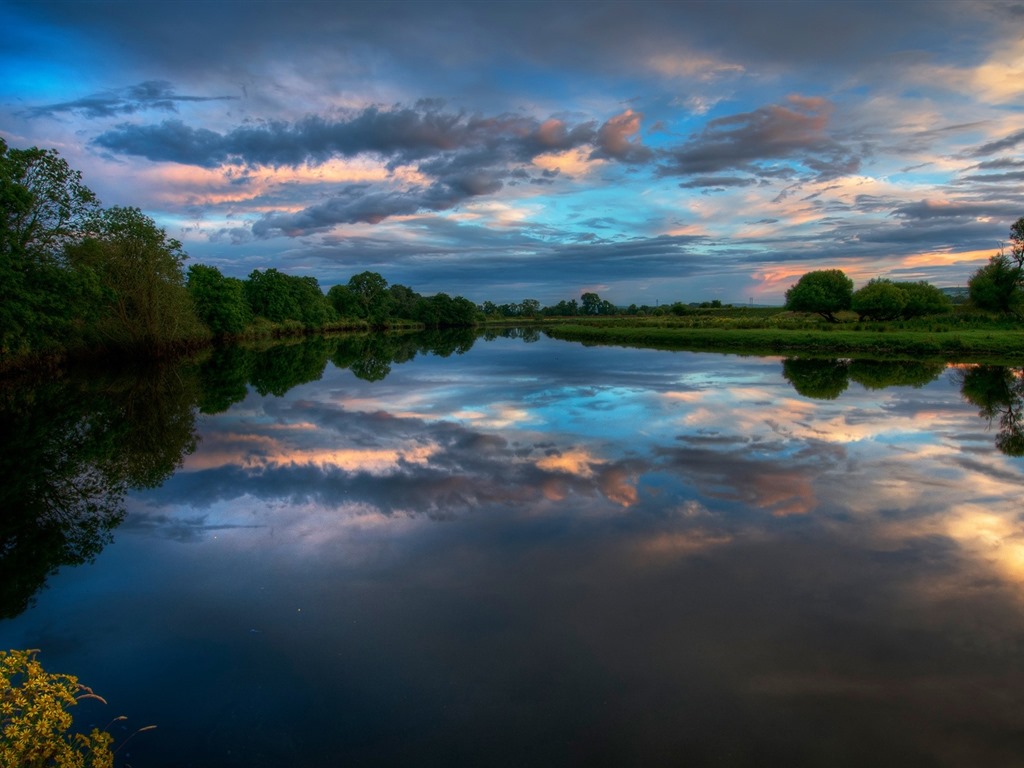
(511, 553)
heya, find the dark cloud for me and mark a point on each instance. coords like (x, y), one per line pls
(699, 182)
(1000, 145)
(151, 94)
(929, 209)
(754, 141)
(399, 134)
(618, 139)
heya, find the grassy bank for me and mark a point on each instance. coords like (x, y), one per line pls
(954, 339)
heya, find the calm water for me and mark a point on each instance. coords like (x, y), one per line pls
(512, 553)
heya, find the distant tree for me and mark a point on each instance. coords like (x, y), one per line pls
(443, 311)
(268, 295)
(529, 308)
(563, 309)
(280, 298)
(590, 304)
(823, 292)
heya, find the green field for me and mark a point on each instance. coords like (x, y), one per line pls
(957, 336)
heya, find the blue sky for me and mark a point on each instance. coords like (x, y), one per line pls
(651, 152)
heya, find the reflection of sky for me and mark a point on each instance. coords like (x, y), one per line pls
(646, 557)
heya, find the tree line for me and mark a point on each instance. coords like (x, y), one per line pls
(996, 287)
(75, 276)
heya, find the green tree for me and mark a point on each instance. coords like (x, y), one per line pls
(823, 292)
(44, 207)
(999, 285)
(590, 303)
(268, 294)
(402, 301)
(144, 303)
(344, 300)
(219, 301)
(370, 289)
(879, 300)
(996, 286)
(923, 299)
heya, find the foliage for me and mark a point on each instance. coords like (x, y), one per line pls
(70, 453)
(820, 379)
(281, 298)
(879, 300)
(144, 303)
(998, 391)
(443, 311)
(999, 285)
(219, 301)
(923, 299)
(36, 724)
(44, 206)
(996, 287)
(371, 297)
(824, 292)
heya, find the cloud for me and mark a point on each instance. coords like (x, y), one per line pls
(150, 94)
(750, 141)
(618, 139)
(1000, 145)
(399, 134)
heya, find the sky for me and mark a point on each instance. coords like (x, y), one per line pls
(649, 152)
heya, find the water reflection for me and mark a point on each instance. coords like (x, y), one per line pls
(828, 378)
(70, 453)
(549, 554)
(999, 392)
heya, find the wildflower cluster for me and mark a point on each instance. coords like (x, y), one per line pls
(34, 718)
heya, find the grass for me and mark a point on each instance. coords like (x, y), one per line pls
(960, 335)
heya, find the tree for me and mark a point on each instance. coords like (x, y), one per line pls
(144, 303)
(823, 292)
(370, 290)
(590, 304)
(999, 285)
(879, 300)
(219, 301)
(996, 287)
(44, 207)
(923, 299)
(43, 203)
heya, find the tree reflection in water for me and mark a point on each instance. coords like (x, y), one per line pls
(72, 448)
(997, 390)
(75, 445)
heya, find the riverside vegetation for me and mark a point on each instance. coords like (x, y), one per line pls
(77, 278)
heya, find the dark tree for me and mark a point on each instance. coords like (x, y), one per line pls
(823, 292)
